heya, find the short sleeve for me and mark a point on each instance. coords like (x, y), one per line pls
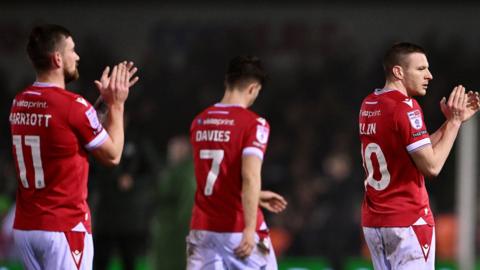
(84, 120)
(411, 126)
(256, 138)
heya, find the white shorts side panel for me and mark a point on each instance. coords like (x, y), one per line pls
(397, 248)
(50, 250)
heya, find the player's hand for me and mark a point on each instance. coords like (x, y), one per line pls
(473, 104)
(132, 70)
(247, 244)
(114, 86)
(455, 109)
(272, 201)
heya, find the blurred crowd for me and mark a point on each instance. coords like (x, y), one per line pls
(317, 79)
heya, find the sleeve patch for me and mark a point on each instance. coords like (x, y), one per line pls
(93, 118)
(415, 118)
(262, 134)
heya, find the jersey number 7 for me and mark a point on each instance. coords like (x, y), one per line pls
(217, 157)
(34, 143)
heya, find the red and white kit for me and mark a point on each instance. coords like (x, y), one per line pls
(391, 126)
(52, 129)
(220, 136)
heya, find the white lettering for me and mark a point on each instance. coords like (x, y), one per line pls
(370, 129)
(30, 104)
(212, 136)
(33, 119)
(369, 114)
(218, 121)
(30, 119)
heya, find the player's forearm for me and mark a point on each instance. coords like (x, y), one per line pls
(437, 135)
(443, 144)
(250, 200)
(115, 129)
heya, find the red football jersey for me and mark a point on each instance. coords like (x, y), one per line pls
(52, 129)
(392, 126)
(220, 136)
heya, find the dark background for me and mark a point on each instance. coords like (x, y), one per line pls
(322, 59)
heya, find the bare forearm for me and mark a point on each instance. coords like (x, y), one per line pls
(115, 129)
(437, 135)
(430, 160)
(250, 200)
(444, 144)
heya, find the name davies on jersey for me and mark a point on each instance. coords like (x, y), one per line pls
(30, 119)
(214, 135)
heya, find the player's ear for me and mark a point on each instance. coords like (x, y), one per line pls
(253, 87)
(397, 72)
(56, 59)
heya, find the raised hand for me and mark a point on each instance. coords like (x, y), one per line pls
(460, 106)
(131, 71)
(105, 78)
(272, 201)
(454, 108)
(473, 104)
(114, 86)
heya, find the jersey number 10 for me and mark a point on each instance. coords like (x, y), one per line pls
(34, 143)
(384, 181)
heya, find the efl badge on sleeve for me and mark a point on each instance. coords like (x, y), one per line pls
(262, 134)
(92, 118)
(415, 118)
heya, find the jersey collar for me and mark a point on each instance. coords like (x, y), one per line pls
(221, 105)
(45, 84)
(379, 91)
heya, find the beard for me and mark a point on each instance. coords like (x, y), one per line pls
(70, 76)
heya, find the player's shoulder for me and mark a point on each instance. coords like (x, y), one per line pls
(73, 98)
(252, 117)
(391, 100)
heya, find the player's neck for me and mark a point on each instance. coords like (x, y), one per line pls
(234, 98)
(51, 77)
(397, 85)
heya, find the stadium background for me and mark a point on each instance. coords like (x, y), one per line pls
(322, 59)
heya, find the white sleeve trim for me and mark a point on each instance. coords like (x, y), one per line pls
(252, 151)
(414, 146)
(97, 141)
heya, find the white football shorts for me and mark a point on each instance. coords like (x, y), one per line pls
(41, 250)
(401, 248)
(215, 251)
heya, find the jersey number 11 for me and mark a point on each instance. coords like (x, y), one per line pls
(34, 143)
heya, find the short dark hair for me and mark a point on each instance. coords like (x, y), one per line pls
(43, 41)
(241, 69)
(396, 55)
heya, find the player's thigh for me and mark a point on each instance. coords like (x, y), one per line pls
(373, 238)
(258, 259)
(55, 250)
(73, 250)
(398, 248)
(209, 250)
(411, 253)
(22, 241)
(202, 253)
